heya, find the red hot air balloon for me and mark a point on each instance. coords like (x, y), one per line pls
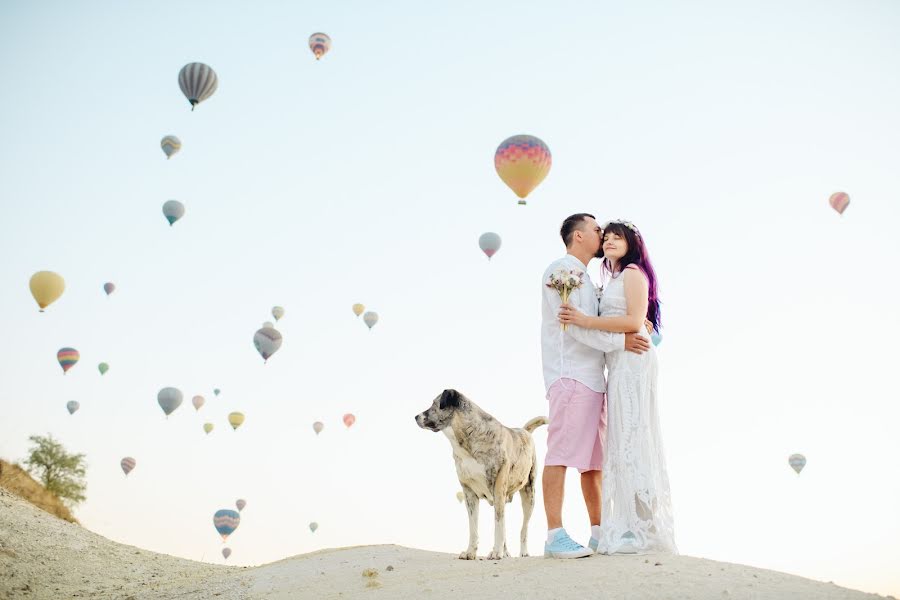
(349, 420)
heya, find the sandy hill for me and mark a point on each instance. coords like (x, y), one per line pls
(42, 556)
(15, 479)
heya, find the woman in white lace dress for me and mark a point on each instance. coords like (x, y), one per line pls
(637, 505)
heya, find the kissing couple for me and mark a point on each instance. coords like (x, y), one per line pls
(600, 373)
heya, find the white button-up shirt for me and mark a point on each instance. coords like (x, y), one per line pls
(576, 353)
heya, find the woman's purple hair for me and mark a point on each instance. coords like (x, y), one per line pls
(637, 255)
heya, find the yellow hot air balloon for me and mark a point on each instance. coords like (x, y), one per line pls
(358, 309)
(46, 287)
(236, 419)
(522, 162)
(207, 427)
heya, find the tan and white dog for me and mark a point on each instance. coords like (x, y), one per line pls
(493, 462)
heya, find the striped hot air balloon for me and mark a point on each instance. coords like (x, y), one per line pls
(127, 464)
(267, 342)
(522, 162)
(197, 82)
(320, 44)
(67, 358)
(226, 521)
(170, 145)
(489, 243)
(797, 462)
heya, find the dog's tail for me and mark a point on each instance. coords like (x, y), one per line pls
(536, 422)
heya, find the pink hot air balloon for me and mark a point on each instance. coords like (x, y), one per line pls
(839, 201)
(349, 420)
(241, 503)
(318, 426)
(522, 162)
(226, 552)
(198, 401)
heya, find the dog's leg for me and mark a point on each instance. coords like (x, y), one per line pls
(527, 496)
(500, 485)
(472, 508)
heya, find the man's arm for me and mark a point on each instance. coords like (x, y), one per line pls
(604, 341)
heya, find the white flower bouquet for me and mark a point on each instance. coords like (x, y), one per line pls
(564, 281)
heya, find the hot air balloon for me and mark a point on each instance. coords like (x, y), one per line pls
(522, 162)
(318, 426)
(267, 341)
(313, 526)
(370, 318)
(197, 82)
(198, 401)
(349, 420)
(226, 552)
(72, 406)
(172, 211)
(236, 419)
(277, 312)
(320, 44)
(127, 464)
(226, 521)
(358, 309)
(240, 503)
(103, 368)
(109, 287)
(489, 243)
(46, 288)
(268, 324)
(217, 391)
(797, 462)
(67, 358)
(656, 338)
(170, 145)
(169, 399)
(839, 201)
(460, 496)
(207, 427)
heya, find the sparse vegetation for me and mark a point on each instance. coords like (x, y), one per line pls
(61, 473)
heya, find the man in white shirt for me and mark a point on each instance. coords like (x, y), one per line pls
(576, 387)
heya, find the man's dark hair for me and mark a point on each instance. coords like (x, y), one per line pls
(571, 225)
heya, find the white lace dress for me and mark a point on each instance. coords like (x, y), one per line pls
(637, 505)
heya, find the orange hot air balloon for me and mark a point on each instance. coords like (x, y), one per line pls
(349, 420)
(522, 162)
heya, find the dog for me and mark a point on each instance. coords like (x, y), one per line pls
(493, 462)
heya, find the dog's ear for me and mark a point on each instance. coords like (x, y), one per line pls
(449, 399)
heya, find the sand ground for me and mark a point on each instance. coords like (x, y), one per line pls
(42, 556)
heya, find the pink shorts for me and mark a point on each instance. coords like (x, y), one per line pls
(576, 436)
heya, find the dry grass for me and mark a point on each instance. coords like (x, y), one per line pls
(15, 479)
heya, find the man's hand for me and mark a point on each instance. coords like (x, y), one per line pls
(635, 343)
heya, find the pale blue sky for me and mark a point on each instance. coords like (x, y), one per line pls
(719, 128)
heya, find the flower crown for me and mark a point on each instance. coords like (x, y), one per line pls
(624, 223)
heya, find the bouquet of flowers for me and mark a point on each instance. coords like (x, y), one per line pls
(564, 281)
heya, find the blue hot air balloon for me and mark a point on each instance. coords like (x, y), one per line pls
(226, 521)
